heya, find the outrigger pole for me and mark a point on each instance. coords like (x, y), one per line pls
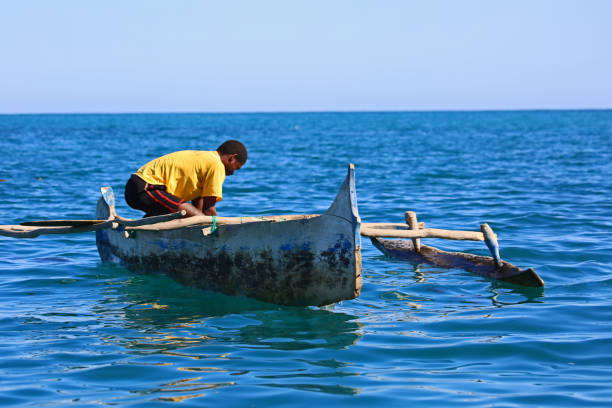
(412, 250)
(415, 231)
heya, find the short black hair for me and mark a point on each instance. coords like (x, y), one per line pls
(234, 147)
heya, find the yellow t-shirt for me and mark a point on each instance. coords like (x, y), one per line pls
(188, 174)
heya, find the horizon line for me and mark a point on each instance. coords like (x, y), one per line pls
(188, 112)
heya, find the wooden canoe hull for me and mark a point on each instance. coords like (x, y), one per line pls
(482, 265)
(309, 261)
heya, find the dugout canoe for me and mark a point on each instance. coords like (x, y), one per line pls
(296, 260)
(481, 265)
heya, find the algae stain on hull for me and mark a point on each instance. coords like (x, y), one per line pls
(290, 281)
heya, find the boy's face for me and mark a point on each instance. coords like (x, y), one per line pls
(231, 164)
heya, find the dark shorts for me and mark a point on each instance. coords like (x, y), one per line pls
(150, 198)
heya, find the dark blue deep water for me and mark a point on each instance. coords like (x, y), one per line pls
(75, 331)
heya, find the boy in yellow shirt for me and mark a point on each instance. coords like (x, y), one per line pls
(169, 183)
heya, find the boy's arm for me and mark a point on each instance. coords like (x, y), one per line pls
(206, 205)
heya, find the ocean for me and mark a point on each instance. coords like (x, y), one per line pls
(79, 332)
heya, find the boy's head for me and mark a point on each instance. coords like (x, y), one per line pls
(233, 155)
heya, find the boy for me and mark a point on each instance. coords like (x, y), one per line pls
(167, 184)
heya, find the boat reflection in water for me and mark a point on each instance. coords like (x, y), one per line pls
(213, 340)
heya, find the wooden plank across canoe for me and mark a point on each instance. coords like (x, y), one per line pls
(60, 223)
(33, 229)
(482, 265)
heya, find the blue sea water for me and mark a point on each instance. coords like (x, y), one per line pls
(75, 331)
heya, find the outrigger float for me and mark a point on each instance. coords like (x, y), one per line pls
(412, 250)
(294, 260)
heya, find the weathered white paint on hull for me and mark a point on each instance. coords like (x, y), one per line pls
(312, 261)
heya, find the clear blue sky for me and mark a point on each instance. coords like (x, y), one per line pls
(255, 56)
